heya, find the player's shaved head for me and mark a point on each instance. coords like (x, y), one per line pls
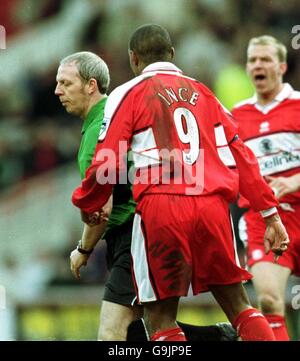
(151, 43)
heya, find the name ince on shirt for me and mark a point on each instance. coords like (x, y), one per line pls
(180, 94)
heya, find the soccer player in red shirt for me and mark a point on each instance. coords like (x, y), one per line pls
(269, 124)
(82, 80)
(189, 164)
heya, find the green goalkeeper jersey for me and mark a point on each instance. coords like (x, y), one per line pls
(123, 203)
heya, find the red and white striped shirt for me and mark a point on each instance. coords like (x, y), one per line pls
(272, 132)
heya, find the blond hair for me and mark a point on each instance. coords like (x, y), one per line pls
(280, 48)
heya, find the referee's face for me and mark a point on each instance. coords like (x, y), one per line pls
(71, 90)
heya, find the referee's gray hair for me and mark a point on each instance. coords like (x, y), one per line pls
(281, 50)
(90, 66)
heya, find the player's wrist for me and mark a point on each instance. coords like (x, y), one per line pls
(271, 219)
(267, 213)
(82, 249)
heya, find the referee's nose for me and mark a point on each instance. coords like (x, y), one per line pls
(58, 91)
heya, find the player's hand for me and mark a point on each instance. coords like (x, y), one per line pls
(276, 238)
(283, 185)
(91, 219)
(106, 210)
(77, 260)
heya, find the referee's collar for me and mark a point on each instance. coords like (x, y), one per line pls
(161, 66)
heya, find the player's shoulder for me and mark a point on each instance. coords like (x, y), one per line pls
(208, 94)
(243, 103)
(211, 96)
(123, 89)
(116, 97)
(205, 90)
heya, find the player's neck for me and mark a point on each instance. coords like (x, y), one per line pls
(268, 97)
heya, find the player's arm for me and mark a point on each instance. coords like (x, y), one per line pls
(254, 188)
(90, 237)
(251, 184)
(284, 185)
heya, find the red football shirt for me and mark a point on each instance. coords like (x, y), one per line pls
(182, 141)
(273, 134)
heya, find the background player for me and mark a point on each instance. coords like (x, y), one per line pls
(167, 245)
(270, 124)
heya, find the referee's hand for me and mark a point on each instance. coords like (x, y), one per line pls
(77, 260)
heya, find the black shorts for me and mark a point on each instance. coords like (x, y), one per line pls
(119, 288)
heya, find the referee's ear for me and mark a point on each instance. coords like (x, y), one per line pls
(92, 86)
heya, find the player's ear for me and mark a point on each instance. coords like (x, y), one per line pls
(172, 53)
(283, 68)
(134, 60)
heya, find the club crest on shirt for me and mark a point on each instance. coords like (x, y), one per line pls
(266, 146)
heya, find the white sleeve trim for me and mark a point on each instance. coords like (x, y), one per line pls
(268, 212)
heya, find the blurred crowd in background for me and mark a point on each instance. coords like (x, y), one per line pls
(37, 135)
(210, 38)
